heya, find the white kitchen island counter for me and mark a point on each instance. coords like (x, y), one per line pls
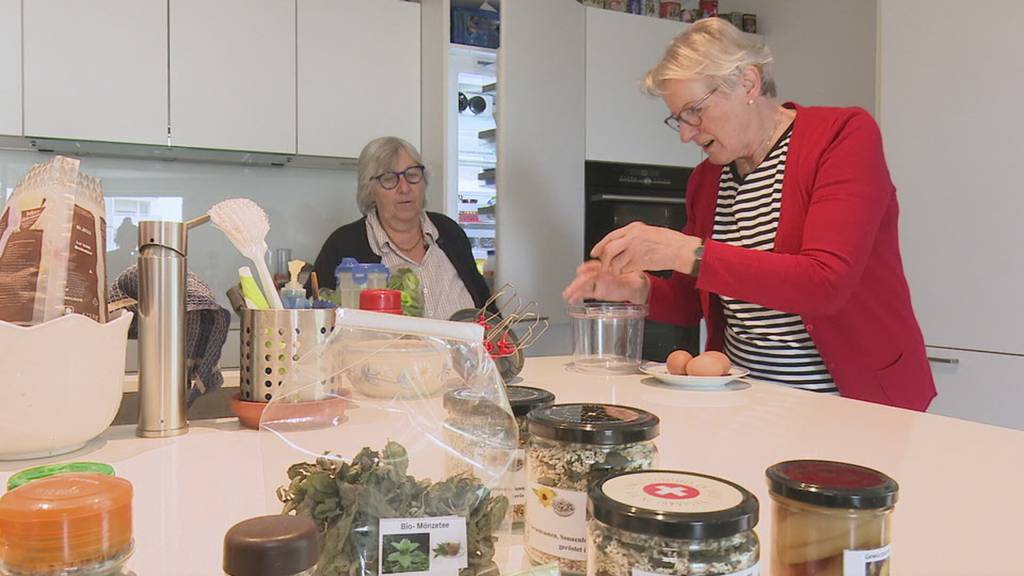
(958, 513)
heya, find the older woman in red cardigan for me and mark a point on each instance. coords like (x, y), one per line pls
(790, 251)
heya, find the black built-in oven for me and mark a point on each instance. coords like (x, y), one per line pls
(617, 194)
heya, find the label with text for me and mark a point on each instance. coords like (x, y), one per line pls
(556, 521)
(423, 546)
(873, 562)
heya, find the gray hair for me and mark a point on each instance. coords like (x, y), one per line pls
(713, 48)
(375, 159)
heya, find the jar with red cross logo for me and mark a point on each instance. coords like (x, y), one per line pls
(665, 522)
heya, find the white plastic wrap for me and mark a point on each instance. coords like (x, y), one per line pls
(395, 485)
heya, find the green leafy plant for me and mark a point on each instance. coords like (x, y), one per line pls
(408, 283)
(346, 500)
(406, 558)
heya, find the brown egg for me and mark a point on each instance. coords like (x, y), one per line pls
(677, 361)
(709, 364)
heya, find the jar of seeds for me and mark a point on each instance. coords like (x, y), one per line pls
(673, 523)
(572, 446)
(467, 423)
(523, 400)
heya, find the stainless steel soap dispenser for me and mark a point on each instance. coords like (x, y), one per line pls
(163, 378)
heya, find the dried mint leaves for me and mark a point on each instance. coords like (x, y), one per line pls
(348, 499)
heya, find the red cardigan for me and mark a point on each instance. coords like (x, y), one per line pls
(836, 261)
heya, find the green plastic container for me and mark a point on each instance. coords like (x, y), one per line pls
(40, 472)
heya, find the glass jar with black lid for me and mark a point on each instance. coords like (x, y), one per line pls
(673, 523)
(275, 545)
(830, 518)
(572, 446)
(523, 400)
(466, 416)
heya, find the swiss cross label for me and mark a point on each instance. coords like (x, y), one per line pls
(671, 491)
(675, 492)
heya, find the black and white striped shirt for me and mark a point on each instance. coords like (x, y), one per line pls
(773, 345)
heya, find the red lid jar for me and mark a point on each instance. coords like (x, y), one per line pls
(388, 301)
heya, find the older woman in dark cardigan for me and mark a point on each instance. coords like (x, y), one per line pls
(396, 230)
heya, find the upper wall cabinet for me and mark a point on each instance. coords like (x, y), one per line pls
(94, 70)
(10, 67)
(232, 74)
(624, 124)
(358, 74)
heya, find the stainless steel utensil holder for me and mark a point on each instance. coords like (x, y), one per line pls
(272, 344)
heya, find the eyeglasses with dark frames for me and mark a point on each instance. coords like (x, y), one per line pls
(389, 180)
(691, 114)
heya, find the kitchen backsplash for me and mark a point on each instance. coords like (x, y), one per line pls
(304, 205)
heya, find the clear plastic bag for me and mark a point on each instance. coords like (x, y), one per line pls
(394, 486)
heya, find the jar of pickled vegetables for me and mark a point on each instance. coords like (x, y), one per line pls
(830, 519)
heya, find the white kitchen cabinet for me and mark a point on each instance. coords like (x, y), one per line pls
(979, 386)
(540, 139)
(232, 74)
(10, 67)
(949, 92)
(94, 70)
(623, 124)
(358, 74)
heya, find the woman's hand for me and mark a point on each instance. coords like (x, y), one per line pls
(637, 247)
(593, 281)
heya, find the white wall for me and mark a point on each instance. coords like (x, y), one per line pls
(541, 124)
(824, 49)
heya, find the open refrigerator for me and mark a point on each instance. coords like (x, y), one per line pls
(472, 86)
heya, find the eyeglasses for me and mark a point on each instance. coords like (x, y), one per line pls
(691, 114)
(389, 180)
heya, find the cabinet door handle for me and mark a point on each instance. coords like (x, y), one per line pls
(947, 361)
(638, 199)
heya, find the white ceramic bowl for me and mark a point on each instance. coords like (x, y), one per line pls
(62, 383)
(660, 371)
(397, 368)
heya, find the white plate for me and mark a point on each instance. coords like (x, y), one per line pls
(660, 371)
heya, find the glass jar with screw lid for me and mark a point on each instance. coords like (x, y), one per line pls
(570, 447)
(830, 518)
(275, 545)
(674, 523)
(471, 419)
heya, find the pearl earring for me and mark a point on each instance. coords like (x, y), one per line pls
(749, 102)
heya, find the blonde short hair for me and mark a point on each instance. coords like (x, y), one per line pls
(715, 49)
(375, 159)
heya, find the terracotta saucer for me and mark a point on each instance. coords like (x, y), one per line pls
(314, 413)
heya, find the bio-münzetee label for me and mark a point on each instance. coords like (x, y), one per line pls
(434, 546)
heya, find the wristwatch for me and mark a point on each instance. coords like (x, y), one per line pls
(698, 255)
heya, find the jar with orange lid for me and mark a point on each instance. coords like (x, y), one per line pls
(70, 523)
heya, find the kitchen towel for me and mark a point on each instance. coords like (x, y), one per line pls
(206, 327)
